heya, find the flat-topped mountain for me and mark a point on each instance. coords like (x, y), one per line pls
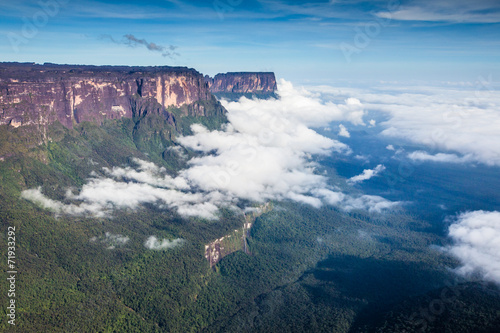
(162, 101)
(42, 94)
(243, 82)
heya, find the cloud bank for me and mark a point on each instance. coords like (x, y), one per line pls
(476, 237)
(463, 123)
(264, 153)
(452, 119)
(367, 174)
(129, 189)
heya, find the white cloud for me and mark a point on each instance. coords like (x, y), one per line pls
(263, 153)
(147, 173)
(153, 243)
(372, 203)
(440, 157)
(458, 11)
(343, 131)
(367, 174)
(111, 240)
(476, 237)
(362, 158)
(36, 196)
(449, 122)
(101, 195)
(452, 119)
(330, 197)
(178, 150)
(390, 147)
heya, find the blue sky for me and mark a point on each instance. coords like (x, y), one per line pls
(303, 41)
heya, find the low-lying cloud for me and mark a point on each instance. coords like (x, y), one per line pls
(366, 174)
(111, 241)
(263, 153)
(476, 238)
(129, 189)
(439, 157)
(457, 123)
(153, 243)
(371, 203)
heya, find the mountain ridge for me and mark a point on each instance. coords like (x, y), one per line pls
(243, 82)
(41, 94)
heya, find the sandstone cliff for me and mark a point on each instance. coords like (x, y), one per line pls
(33, 94)
(243, 82)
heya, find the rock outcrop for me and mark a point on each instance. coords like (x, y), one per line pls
(237, 240)
(42, 94)
(243, 82)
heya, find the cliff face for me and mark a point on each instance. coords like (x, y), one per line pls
(242, 82)
(41, 94)
(237, 240)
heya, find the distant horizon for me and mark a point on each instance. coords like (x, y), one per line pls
(357, 188)
(309, 41)
(306, 82)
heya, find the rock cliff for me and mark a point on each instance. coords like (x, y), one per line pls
(237, 240)
(41, 94)
(243, 82)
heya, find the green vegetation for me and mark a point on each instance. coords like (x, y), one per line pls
(318, 270)
(67, 282)
(207, 113)
(464, 307)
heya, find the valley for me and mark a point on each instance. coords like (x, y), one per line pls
(275, 266)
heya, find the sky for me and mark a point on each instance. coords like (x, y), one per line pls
(306, 42)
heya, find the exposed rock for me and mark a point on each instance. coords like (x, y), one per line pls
(16, 122)
(243, 82)
(237, 240)
(41, 94)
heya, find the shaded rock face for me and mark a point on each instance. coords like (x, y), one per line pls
(42, 94)
(242, 82)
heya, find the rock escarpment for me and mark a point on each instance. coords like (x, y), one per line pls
(243, 82)
(33, 94)
(237, 240)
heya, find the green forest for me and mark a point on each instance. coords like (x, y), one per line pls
(306, 270)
